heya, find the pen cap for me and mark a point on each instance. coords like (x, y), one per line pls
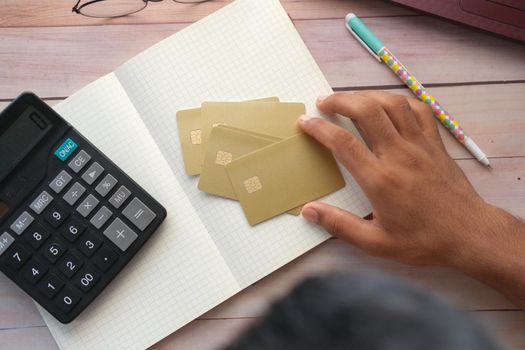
(359, 28)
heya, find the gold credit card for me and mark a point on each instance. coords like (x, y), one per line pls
(278, 119)
(226, 144)
(189, 123)
(190, 135)
(283, 176)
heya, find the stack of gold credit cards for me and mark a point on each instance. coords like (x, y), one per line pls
(255, 153)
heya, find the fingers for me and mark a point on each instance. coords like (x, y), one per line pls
(371, 117)
(427, 122)
(341, 223)
(345, 146)
(409, 117)
(399, 111)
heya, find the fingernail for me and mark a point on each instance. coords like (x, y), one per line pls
(310, 214)
(305, 118)
(321, 98)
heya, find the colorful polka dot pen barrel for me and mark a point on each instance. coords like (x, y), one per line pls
(382, 54)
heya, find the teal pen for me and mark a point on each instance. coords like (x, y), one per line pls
(382, 54)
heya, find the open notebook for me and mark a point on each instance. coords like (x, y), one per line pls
(205, 252)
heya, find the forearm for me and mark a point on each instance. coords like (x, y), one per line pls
(495, 255)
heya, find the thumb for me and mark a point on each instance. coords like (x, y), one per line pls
(343, 224)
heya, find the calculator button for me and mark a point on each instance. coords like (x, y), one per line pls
(87, 206)
(66, 149)
(120, 197)
(67, 299)
(56, 216)
(5, 242)
(79, 161)
(101, 217)
(86, 279)
(91, 175)
(34, 271)
(20, 225)
(75, 192)
(36, 236)
(69, 265)
(106, 185)
(16, 257)
(50, 285)
(73, 230)
(41, 202)
(89, 244)
(105, 258)
(120, 234)
(60, 182)
(54, 251)
(139, 214)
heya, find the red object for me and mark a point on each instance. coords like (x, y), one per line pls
(504, 17)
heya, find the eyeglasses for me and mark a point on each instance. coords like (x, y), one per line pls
(117, 8)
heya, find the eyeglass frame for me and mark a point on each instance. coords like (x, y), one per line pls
(77, 8)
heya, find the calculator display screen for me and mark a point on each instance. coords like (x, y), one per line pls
(19, 139)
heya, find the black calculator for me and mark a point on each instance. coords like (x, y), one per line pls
(70, 219)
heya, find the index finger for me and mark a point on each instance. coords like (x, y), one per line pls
(345, 146)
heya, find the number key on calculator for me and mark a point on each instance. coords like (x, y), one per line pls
(70, 219)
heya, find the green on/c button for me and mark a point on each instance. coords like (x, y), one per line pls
(66, 149)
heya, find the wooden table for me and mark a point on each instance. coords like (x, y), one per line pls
(479, 77)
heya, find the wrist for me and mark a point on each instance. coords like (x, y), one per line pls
(492, 244)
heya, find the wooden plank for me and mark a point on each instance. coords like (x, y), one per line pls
(507, 326)
(434, 50)
(27, 339)
(58, 13)
(496, 123)
(16, 309)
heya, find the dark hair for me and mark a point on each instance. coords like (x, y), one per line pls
(363, 313)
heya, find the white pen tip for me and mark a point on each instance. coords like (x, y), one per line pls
(349, 16)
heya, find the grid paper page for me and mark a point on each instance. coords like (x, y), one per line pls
(247, 50)
(179, 274)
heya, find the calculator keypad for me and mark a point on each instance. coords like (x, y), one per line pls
(5, 242)
(69, 265)
(106, 185)
(54, 251)
(24, 220)
(36, 235)
(41, 202)
(92, 173)
(60, 181)
(75, 192)
(56, 215)
(101, 217)
(88, 205)
(17, 256)
(80, 160)
(89, 244)
(50, 285)
(34, 271)
(120, 234)
(105, 258)
(120, 197)
(74, 231)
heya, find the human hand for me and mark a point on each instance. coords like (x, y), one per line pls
(425, 211)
